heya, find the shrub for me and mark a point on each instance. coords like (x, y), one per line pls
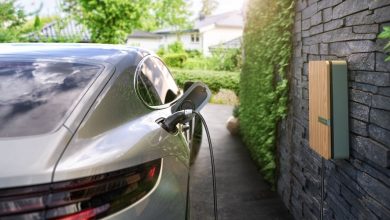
(199, 63)
(175, 59)
(226, 59)
(176, 47)
(215, 80)
(194, 53)
(263, 85)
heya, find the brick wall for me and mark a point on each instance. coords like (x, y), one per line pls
(357, 188)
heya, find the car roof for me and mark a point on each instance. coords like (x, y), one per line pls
(71, 51)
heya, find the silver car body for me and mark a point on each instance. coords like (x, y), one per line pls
(109, 128)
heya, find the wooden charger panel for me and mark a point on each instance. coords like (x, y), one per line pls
(328, 109)
(320, 108)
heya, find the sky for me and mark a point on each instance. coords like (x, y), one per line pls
(51, 7)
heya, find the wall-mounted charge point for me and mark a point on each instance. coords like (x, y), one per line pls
(328, 109)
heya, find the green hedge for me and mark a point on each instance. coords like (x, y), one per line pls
(263, 85)
(175, 59)
(215, 80)
(386, 35)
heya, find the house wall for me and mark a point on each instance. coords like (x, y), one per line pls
(218, 35)
(185, 38)
(358, 187)
(152, 44)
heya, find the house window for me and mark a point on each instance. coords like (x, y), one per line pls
(195, 38)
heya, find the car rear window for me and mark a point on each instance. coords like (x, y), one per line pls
(35, 96)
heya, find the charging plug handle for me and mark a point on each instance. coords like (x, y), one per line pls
(180, 117)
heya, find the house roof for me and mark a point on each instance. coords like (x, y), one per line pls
(228, 19)
(54, 30)
(231, 44)
(144, 34)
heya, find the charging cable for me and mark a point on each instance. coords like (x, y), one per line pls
(180, 117)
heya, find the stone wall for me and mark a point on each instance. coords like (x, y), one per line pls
(357, 188)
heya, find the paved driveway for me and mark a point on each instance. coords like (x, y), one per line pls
(242, 192)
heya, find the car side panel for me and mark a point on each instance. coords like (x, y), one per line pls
(133, 143)
(165, 201)
(118, 132)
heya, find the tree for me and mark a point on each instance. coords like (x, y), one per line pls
(110, 21)
(11, 20)
(208, 6)
(37, 23)
(170, 13)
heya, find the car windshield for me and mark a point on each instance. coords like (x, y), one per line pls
(35, 96)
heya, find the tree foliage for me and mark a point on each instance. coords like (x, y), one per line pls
(169, 13)
(12, 19)
(208, 6)
(263, 84)
(110, 21)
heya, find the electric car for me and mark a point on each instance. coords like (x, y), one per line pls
(79, 137)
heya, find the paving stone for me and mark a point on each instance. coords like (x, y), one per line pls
(327, 14)
(313, 49)
(380, 118)
(306, 24)
(334, 24)
(358, 127)
(324, 49)
(297, 27)
(384, 91)
(349, 7)
(381, 65)
(309, 11)
(378, 4)
(360, 97)
(361, 61)
(328, 3)
(300, 5)
(349, 47)
(373, 78)
(366, 29)
(316, 29)
(316, 19)
(379, 134)
(239, 183)
(359, 111)
(364, 17)
(372, 150)
(381, 102)
(382, 14)
(305, 33)
(364, 87)
(374, 188)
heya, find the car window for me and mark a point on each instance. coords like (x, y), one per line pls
(36, 95)
(155, 83)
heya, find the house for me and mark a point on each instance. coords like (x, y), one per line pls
(151, 41)
(66, 31)
(206, 35)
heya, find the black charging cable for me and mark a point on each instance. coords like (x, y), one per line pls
(212, 165)
(180, 117)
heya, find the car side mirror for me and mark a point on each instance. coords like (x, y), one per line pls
(194, 98)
